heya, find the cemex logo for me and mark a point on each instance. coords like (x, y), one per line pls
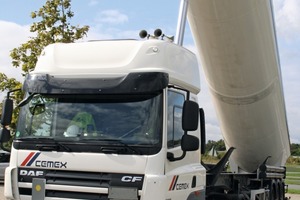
(178, 186)
(32, 159)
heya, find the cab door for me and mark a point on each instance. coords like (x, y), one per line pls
(185, 177)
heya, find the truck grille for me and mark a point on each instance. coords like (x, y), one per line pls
(84, 183)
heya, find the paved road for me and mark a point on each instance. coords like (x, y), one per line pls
(292, 196)
(295, 187)
(1, 192)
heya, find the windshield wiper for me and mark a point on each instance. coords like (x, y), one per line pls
(56, 145)
(135, 150)
(35, 138)
(51, 147)
(113, 149)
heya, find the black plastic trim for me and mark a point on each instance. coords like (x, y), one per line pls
(84, 179)
(78, 147)
(133, 83)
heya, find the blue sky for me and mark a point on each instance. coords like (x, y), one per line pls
(124, 19)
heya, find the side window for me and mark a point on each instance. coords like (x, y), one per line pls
(175, 132)
(39, 116)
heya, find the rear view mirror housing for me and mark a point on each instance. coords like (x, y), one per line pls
(7, 111)
(5, 137)
(189, 143)
(190, 116)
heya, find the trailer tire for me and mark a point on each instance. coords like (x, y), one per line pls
(274, 191)
(280, 190)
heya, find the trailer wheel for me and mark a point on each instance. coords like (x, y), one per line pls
(280, 190)
(274, 191)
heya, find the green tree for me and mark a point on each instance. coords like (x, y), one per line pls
(8, 84)
(218, 145)
(295, 149)
(52, 26)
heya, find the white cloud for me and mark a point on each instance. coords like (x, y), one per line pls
(93, 2)
(296, 141)
(112, 17)
(130, 34)
(11, 36)
(213, 132)
(287, 14)
(96, 33)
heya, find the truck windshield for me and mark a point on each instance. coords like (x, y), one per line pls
(125, 119)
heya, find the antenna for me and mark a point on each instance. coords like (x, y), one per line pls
(181, 22)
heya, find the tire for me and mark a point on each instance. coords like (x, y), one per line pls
(274, 190)
(281, 191)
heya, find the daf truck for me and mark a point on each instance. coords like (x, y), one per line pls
(120, 119)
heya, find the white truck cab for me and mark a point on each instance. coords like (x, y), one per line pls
(109, 120)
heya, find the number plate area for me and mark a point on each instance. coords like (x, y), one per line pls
(118, 193)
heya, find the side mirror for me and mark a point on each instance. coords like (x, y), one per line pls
(7, 111)
(5, 138)
(4, 135)
(190, 116)
(190, 121)
(189, 143)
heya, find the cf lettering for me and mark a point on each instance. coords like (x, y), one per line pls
(132, 179)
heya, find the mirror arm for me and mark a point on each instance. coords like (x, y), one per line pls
(12, 91)
(171, 158)
(26, 101)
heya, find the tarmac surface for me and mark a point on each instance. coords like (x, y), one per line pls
(292, 196)
(1, 192)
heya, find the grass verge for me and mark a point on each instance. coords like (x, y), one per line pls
(293, 174)
(292, 182)
(293, 191)
(293, 168)
(293, 177)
